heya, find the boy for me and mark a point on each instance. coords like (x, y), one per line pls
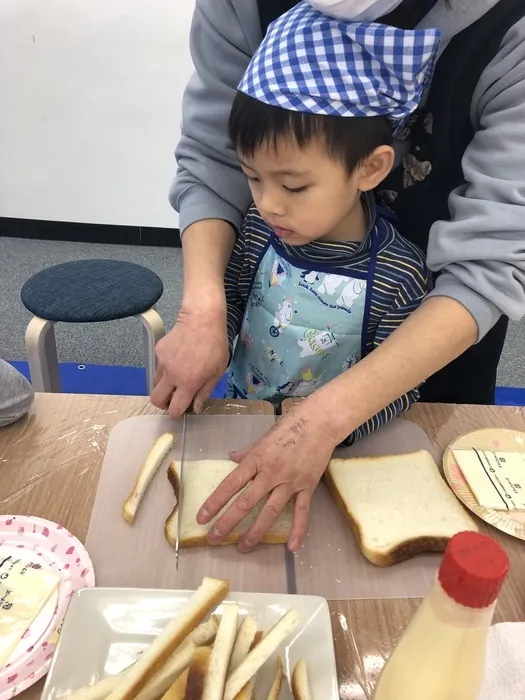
(318, 278)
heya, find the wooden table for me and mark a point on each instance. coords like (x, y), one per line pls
(50, 464)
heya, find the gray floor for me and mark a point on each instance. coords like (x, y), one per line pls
(120, 342)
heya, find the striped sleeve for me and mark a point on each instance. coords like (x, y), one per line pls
(411, 291)
(235, 299)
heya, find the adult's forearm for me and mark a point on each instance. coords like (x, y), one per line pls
(432, 337)
(206, 248)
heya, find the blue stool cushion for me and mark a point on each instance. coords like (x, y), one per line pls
(91, 290)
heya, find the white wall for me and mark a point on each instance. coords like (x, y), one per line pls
(90, 94)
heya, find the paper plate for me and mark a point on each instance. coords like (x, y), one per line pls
(510, 522)
(53, 547)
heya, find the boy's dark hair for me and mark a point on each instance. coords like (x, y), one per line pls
(348, 139)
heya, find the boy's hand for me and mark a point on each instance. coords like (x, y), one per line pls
(191, 358)
(286, 463)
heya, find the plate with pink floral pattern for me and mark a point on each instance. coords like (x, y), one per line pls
(41, 543)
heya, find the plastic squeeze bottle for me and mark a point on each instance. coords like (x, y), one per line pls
(441, 656)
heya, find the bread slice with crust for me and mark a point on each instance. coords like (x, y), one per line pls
(399, 506)
(201, 478)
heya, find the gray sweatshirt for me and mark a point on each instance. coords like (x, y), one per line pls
(481, 251)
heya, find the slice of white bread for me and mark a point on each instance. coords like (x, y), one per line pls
(201, 478)
(300, 683)
(205, 599)
(260, 654)
(398, 506)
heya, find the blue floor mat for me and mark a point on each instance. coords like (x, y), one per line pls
(131, 381)
(103, 379)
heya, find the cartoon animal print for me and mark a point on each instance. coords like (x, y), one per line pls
(331, 283)
(351, 292)
(307, 384)
(277, 275)
(315, 342)
(310, 277)
(283, 317)
(286, 388)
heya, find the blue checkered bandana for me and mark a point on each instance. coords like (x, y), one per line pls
(310, 62)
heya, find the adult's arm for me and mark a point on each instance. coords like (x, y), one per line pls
(209, 183)
(481, 251)
(16, 394)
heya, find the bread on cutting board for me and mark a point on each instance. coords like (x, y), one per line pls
(398, 506)
(201, 478)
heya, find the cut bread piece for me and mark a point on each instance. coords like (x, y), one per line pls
(398, 506)
(178, 689)
(300, 682)
(247, 692)
(210, 593)
(190, 686)
(221, 653)
(201, 478)
(275, 690)
(161, 680)
(156, 456)
(243, 642)
(260, 654)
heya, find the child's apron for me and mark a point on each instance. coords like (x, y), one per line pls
(302, 327)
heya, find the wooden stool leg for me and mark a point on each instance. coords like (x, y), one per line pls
(42, 355)
(154, 330)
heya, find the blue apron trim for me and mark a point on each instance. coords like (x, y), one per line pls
(369, 288)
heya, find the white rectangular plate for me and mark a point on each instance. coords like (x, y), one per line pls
(105, 628)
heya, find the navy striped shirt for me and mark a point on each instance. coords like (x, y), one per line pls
(401, 282)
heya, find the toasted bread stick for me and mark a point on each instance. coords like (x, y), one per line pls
(260, 654)
(150, 467)
(275, 690)
(243, 642)
(221, 653)
(300, 683)
(210, 593)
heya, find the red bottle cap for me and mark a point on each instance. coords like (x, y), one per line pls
(473, 569)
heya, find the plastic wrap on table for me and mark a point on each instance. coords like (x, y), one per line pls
(329, 564)
(365, 634)
(50, 460)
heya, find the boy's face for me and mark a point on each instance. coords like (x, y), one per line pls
(304, 194)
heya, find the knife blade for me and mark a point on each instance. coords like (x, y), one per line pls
(181, 487)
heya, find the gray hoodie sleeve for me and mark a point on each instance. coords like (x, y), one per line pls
(482, 249)
(209, 183)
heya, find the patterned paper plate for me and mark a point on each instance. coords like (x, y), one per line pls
(510, 522)
(50, 545)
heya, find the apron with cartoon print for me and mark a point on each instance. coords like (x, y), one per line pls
(301, 328)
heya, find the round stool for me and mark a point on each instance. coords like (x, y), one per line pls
(87, 291)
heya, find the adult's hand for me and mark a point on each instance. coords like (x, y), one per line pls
(191, 359)
(285, 464)
(194, 355)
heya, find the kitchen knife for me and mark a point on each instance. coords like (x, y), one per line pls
(181, 487)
